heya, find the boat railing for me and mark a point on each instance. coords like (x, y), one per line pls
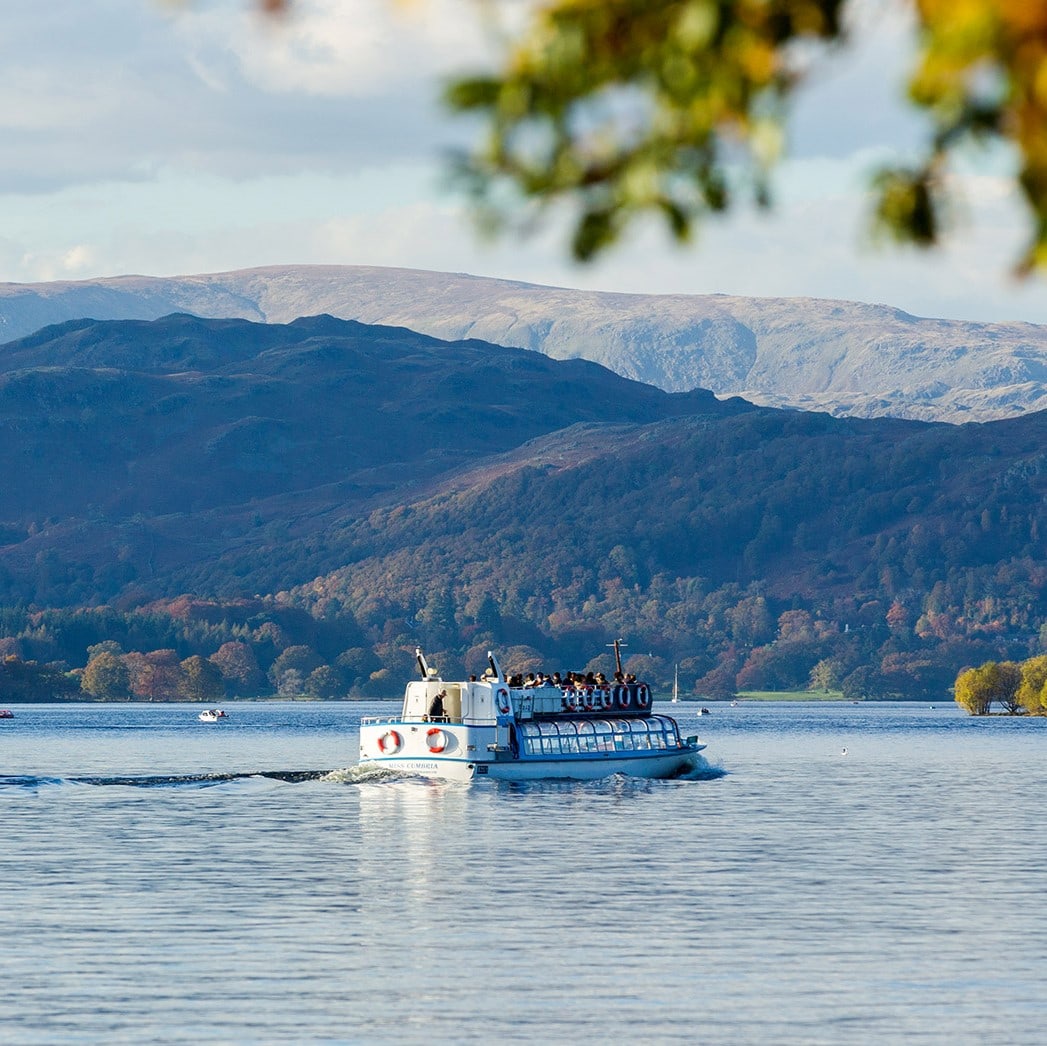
(376, 720)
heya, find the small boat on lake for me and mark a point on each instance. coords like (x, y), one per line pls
(211, 715)
(6, 713)
(491, 728)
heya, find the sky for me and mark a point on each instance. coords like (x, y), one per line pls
(161, 138)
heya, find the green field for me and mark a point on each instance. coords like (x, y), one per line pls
(790, 695)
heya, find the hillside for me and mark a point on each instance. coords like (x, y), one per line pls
(133, 449)
(339, 493)
(839, 357)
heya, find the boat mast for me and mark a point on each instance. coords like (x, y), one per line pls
(618, 644)
(496, 668)
(423, 665)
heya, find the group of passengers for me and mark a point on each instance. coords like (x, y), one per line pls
(569, 680)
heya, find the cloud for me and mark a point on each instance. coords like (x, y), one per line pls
(122, 90)
(141, 140)
(355, 48)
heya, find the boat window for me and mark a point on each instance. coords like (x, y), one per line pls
(559, 737)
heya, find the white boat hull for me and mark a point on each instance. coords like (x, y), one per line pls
(460, 752)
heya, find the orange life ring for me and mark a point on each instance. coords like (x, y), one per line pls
(436, 739)
(643, 696)
(390, 741)
(503, 700)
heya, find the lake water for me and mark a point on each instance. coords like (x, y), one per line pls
(858, 874)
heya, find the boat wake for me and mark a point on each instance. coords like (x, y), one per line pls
(161, 780)
(363, 775)
(703, 771)
(350, 775)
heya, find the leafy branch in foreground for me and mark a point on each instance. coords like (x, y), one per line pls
(625, 108)
(635, 106)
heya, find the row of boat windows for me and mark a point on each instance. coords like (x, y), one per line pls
(572, 737)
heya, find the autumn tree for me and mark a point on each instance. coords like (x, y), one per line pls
(201, 680)
(973, 690)
(239, 667)
(324, 683)
(1032, 690)
(719, 683)
(1009, 679)
(977, 688)
(750, 622)
(291, 683)
(106, 678)
(299, 659)
(823, 676)
(356, 665)
(107, 646)
(155, 676)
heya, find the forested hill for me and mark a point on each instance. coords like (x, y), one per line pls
(133, 449)
(396, 489)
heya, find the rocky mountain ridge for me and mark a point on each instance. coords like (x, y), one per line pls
(844, 358)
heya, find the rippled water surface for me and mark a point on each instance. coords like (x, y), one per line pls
(858, 874)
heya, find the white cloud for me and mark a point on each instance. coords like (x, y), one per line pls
(337, 48)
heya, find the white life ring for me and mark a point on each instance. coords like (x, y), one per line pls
(643, 696)
(605, 698)
(503, 700)
(569, 699)
(390, 741)
(588, 701)
(625, 696)
(436, 739)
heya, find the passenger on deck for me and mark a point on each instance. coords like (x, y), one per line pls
(436, 706)
(557, 679)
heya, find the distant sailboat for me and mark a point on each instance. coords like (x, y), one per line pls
(676, 685)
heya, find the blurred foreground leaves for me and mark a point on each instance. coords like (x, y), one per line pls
(623, 108)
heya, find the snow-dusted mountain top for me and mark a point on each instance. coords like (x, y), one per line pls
(841, 357)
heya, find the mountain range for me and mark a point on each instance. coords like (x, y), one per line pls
(844, 358)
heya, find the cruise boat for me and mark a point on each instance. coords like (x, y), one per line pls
(488, 728)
